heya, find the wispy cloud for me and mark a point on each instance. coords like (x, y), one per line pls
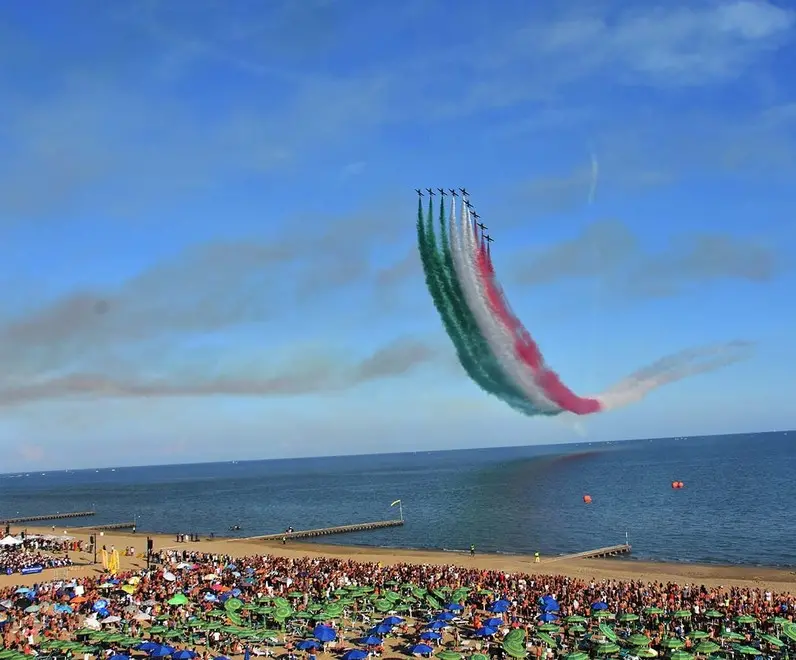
(611, 251)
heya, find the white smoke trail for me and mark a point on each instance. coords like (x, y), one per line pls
(500, 338)
(595, 174)
(672, 368)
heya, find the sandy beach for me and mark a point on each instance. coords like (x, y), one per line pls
(779, 580)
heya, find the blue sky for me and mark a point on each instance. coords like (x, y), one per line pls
(206, 193)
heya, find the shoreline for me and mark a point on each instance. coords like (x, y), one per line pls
(711, 575)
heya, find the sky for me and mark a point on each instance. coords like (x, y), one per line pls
(216, 198)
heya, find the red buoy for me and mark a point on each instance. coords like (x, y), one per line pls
(587, 499)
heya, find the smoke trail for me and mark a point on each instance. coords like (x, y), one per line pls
(672, 368)
(595, 173)
(497, 335)
(496, 380)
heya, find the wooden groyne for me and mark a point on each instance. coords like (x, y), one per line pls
(53, 516)
(109, 526)
(324, 531)
(597, 553)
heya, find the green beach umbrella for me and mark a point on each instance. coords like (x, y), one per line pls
(645, 653)
(601, 614)
(233, 605)
(682, 614)
(748, 650)
(706, 648)
(774, 641)
(179, 599)
(733, 636)
(681, 655)
(575, 618)
(449, 655)
(577, 628)
(779, 621)
(577, 655)
(745, 618)
(478, 656)
(547, 639)
(639, 640)
(672, 643)
(628, 616)
(789, 630)
(653, 610)
(698, 634)
(608, 632)
(548, 628)
(607, 649)
(714, 614)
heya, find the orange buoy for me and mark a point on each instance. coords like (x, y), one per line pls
(674, 484)
(587, 499)
(677, 485)
(680, 484)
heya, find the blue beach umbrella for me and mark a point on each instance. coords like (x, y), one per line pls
(547, 617)
(381, 629)
(485, 631)
(598, 606)
(421, 649)
(500, 606)
(147, 646)
(324, 634)
(183, 655)
(371, 640)
(393, 620)
(494, 622)
(355, 654)
(307, 645)
(436, 625)
(443, 616)
(161, 652)
(120, 657)
(430, 634)
(454, 607)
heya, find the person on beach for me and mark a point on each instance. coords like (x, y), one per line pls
(472, 550)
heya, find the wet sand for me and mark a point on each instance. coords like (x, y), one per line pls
(778, 580)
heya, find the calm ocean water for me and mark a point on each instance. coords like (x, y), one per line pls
(738, 504)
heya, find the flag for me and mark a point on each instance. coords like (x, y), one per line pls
(396, 502)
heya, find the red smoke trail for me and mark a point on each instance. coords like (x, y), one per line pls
(525, 347)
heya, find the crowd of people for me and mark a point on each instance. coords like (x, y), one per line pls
(662, 616)
(26, 552)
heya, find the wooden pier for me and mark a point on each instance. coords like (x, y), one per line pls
(53, 516)
(324, 531)
(109, 526)
(597, 553)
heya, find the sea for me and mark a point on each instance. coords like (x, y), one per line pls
(737, 504)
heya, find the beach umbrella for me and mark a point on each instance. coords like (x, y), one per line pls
(454, 607)
(748, 650)
(548, 627)
(500, 606)
(607, 649)
(324, 634)
(599, 605)
(444, 616)
(436, 625)
(355, 654)
(714, 614)
(672, 643)
(576, 629)
(120, 657)
(179, 599)
(576, 655)
(745, 619)
(494, 622)
(682, 614)
(575, 618)
(706, 648)
(373, 640)
(601, 614)
(646, 653)
(681, 655)
(183, 655)
(161, 652)
(514, 650)
(446, 654)
(485, 631)
(430, 634)
(655, 611)
(478, 656)
(698, 634)
(639, 640)
(774, 641)
(608, 632)
(627, 617)
(789, 630)
(393, 620)
(547, 639)
(547, 616)
(733, 636)
(419, 649)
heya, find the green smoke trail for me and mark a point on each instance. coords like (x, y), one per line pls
(471, 348)
(495, 381)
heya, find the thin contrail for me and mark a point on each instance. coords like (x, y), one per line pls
(595, 174)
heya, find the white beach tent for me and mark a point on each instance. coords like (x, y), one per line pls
(10, 540)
